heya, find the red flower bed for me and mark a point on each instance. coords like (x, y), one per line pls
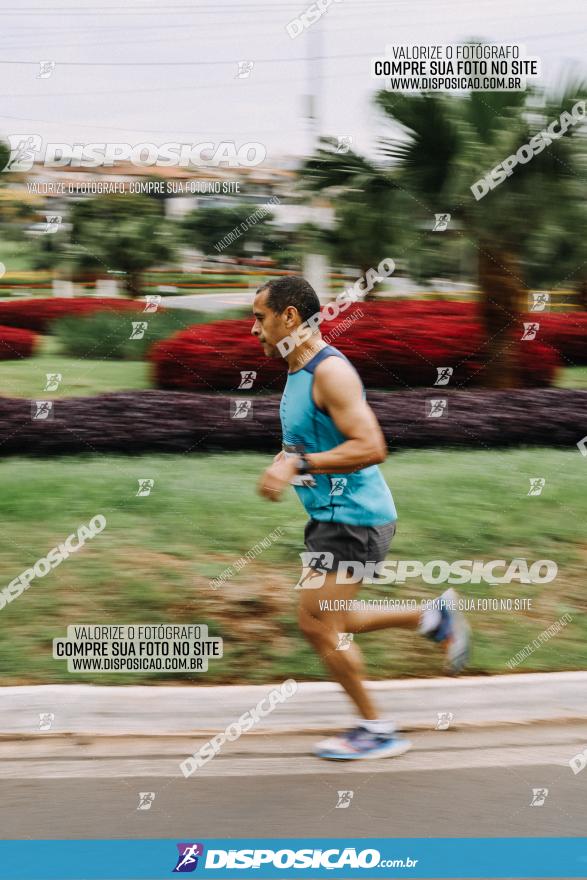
(15, 343)
(567, 332)
(390, 344)
(37, 314)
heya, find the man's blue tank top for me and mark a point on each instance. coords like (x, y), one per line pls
(361, 498)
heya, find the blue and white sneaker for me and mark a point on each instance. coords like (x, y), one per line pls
(454, 631)
(361, 744)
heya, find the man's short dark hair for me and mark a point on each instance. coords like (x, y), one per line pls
(291, 290)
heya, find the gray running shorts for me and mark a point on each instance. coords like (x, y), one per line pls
(333, 542)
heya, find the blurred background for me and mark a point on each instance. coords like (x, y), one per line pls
(130, 312)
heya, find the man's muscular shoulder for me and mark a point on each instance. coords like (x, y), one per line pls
(335, 381)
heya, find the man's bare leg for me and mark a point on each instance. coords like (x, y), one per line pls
(369, 621)
(321, 628)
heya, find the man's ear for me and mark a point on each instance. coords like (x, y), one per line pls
(291, 314)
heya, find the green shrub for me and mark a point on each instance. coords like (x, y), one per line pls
(107, 335)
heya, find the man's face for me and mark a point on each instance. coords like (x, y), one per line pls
(269, 327)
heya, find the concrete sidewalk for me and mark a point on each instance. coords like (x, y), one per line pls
(316, 706)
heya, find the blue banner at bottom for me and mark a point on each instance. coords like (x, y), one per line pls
(560, 857)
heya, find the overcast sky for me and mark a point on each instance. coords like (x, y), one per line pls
(120, 76)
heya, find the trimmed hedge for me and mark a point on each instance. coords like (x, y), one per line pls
(392, 345)
(37, 314)
(159, 421)
(16, 343)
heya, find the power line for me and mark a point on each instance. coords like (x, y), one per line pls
(194, 63)
(352, 28)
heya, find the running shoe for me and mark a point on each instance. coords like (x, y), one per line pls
(454, 631)
(361, 744)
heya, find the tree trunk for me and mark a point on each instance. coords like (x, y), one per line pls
(370, 296)
(502, 301)
(132, 284)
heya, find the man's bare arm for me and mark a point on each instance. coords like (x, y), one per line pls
(338, 390)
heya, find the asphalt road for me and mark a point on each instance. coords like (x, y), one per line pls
(454, 783)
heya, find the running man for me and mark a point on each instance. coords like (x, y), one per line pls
(329, 433)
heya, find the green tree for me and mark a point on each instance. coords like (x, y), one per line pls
(227, 230)
(124, 233)
(4, 157)
(289, 246)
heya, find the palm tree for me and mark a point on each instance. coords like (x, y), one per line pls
(364, 195)
(445, 144)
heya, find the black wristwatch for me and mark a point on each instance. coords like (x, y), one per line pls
(303, 466)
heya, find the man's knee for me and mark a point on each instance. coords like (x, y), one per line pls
(315, 628)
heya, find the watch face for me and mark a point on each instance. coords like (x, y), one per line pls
(302, 479)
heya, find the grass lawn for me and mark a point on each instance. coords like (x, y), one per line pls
(157, 554)
(27, 377)
(572, 377)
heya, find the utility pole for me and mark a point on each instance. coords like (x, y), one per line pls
(314, 52)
